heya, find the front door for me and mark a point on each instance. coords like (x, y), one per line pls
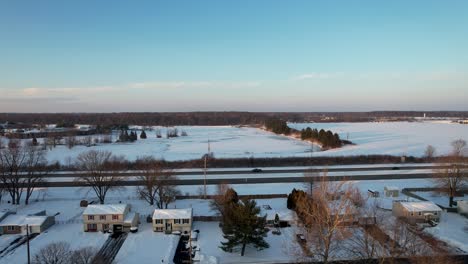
(169, 227)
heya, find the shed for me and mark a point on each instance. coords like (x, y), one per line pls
(391, 191)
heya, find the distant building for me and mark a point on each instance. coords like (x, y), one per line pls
(391, 191)
(109, 217)
(169, 220)
(12, 223)
(417, 212)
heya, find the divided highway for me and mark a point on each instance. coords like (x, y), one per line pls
(273, 175)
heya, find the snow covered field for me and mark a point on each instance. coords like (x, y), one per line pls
(393, 138)
(225, 142)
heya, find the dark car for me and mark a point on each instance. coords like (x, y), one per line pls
(395, 168)
(257, 170)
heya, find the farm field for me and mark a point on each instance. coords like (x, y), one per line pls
(391, 138)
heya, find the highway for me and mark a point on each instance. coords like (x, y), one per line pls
(246, 176)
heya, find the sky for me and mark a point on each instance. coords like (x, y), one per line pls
(243, 55)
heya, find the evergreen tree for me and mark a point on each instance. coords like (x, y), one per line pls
(143, 134)
(244, 227)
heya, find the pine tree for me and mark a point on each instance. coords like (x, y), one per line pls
(243, 226)
(143, 134)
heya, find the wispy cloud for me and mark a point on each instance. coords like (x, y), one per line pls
(315, 75)
(199, 84)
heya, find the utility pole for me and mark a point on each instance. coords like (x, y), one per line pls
(27, 241)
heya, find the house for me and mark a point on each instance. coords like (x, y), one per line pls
(169, 220)
(109, 217)
(16, 224)
(462, 207)
(417, 212)
(391, 191)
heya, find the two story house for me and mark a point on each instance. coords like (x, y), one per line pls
(109, 217)
(169, 220)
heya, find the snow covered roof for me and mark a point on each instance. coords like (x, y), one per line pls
(22, 220)
(420, 206)
(391, 188)
(172, 213)
(105, 209)
(129, 218)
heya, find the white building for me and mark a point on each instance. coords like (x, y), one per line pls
(169, 220)
(391, 191)
(109, 217)
(16, 224)
(416, 212)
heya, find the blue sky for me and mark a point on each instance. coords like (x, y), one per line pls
(86, 56)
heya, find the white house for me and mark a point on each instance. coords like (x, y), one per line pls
(16, 224)
(109, 217)
(169, 220)
(416, 212)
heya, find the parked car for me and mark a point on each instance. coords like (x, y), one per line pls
(134, 229)
(256, 170)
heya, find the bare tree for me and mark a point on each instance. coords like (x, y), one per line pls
(21, 168)
(71, 141)
(156, 183)
(55, 253)
(430, 152)
(101, 169)
(83, 255)
(36, 169)
(459, 148)
(368, 246)
(325, 215)
(454, 176)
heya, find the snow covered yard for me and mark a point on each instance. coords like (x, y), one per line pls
(147, 246)
(283, 248)
(453, 229)
(439, 198)
(71, 233)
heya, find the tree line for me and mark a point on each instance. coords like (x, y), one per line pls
(327, 139)
(112, 120)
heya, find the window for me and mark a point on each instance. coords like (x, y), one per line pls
(10, 228)
(105, 226)
(159, 228)
(176, 221)
(92, 227)
(158, 221)
(90, 217)
(115, 217)
(412, 213)
(419, 213)
(102, 217)
(435, 213)
(185, 221)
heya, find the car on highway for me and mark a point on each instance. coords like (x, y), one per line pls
(256, 170)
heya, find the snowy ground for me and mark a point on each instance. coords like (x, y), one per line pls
(283, 248)
(439, 198)
(71, 233)
(393, 138)
(453, 229)
(147, 246)
(225, 142)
